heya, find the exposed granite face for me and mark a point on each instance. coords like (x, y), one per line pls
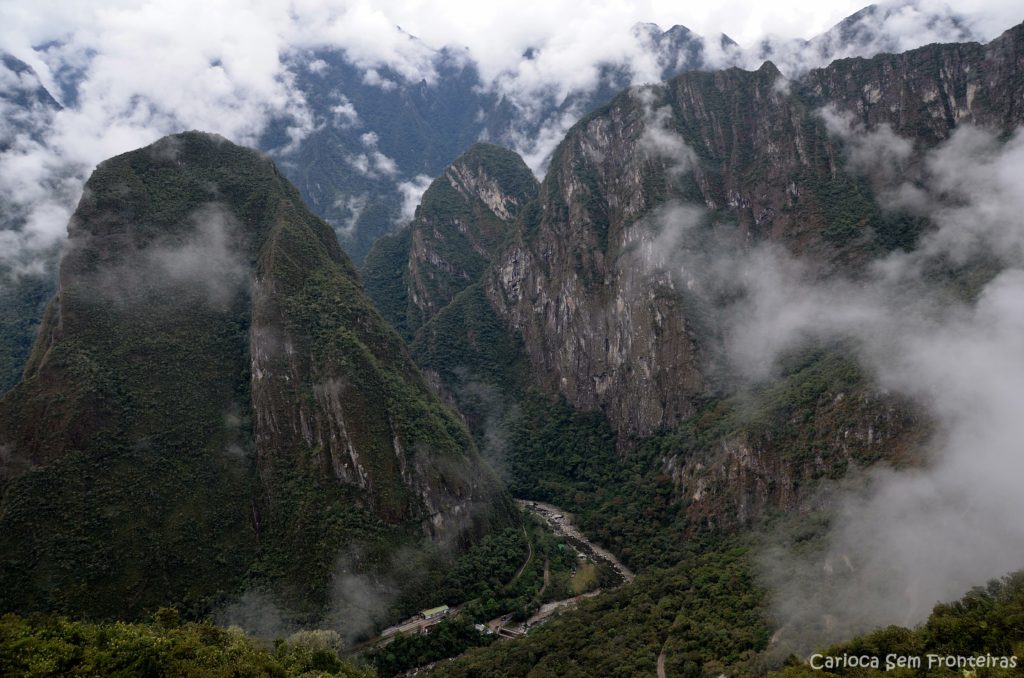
(213, 366)
(603, 318)
(924, 94)
(755, 470)
(463, 219)
(588, 279)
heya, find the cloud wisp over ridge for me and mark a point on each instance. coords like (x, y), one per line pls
(903, 541)
(941, 326)
(129, 73)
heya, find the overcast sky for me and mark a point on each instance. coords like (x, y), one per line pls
(496, 32)
(499, 34)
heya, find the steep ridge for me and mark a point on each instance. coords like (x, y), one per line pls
(606, 293)
(419, 126)
(596, 326)
(876, 29)
(421, 120)
(26, 109)
(375, 134)
(212, 401)
(25, 103)
(464, 217)
(926, 93)
(745, 156)
(757, 159)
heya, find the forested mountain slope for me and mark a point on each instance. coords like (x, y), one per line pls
(212, 400)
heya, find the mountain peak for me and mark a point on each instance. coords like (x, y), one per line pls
(463, 216)
(213, 371)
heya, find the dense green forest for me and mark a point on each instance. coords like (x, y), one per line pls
(144, 403)
(22, 301)
(448, 639)
(706, 615)
(698, 595)
(413, 273)
(988, 622)
(500, 575)
(706, 612)
(41, 646)
(625, 501)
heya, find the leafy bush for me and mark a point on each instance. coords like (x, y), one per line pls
(54, 646)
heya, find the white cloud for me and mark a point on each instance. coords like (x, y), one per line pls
(412, 192)
(372, 163)
(880, 151)
(374, 79)
(368, 32)
(536, 148)
(571, 41)
(891, 27)
(150, 68)
(345, 114)
(660, 140)
(899, 541)
(352, 206)
(909, 539)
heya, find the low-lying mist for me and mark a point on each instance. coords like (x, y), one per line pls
(942, 325)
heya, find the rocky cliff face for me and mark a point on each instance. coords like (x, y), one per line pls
(26, 109)
(602, 279)
(926, 93)
(363, 116)
(212, 394)
(774, 453)
(601, 321)
(464, 217)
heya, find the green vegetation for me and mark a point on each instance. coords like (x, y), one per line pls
(706, 612)
(696, 597)
(448, 639)
(22, 302)
(152, 467)
(485, 572)
(501, 575)
(447, 247)
(137, 416)
(140, 460)
(626, 502)
(594, 200)
(626, 499)
(498, 575)
(851, 213)
(385, 278)
(847, 208)
(54, 646)
(988, 620)
(505, 167)
(480, 365)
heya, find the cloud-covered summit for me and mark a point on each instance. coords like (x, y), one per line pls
(280, 73)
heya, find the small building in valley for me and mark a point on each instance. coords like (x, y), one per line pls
(435, 612)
